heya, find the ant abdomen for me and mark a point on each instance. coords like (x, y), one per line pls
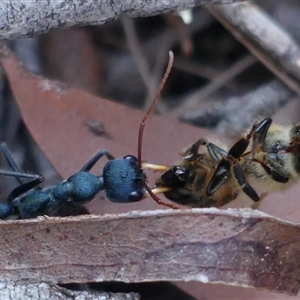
(35, 203)
(5, 210)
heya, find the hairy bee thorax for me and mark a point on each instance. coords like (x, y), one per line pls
(282, 150)
(294, 147)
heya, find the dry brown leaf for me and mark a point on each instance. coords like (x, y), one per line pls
(70, 56)
(237, 247)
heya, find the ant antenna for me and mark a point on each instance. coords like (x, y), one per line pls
(151, 108)
(142, 127)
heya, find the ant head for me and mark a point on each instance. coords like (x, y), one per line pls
(123, 180)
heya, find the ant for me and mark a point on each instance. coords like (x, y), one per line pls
(123, 180)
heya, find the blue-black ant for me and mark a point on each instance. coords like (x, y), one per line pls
(123, 180)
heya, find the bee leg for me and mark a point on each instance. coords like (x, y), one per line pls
(238, 149)
(213, 151)
(191, 153)
(221, 173)
(241, 179)
(219, 177)
(259, 135)
(87, 167)
(258, 132)
(224, 165)
(272, 172)
(261, 197)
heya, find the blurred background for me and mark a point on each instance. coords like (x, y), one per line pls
(213, 77)
(216, 83)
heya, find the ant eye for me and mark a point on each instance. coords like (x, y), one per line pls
(135, 196)
(131, 157)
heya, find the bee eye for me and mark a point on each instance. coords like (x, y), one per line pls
(136, 196)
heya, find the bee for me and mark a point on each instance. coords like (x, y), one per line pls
(212, 176)
(186, 183)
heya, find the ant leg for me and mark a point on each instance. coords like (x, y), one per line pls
(23, 188)
(8, 156)
(18, 175)
(16, 170)
(87, 167)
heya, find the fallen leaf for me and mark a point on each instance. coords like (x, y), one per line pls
(245, 247)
